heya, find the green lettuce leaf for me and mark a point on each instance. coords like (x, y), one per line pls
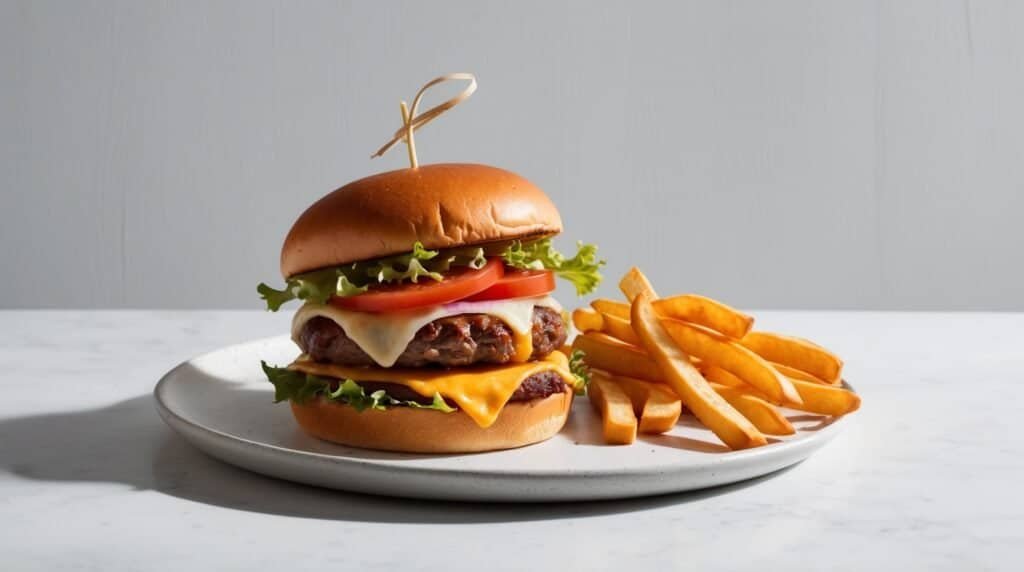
(420, 263)
(276, 298)
(581, 270)
(351, 279)
(290, 385)
(315, 287)
(439, 403)
(472, 257)
(353, 394)
(580, 371)
(411, 266)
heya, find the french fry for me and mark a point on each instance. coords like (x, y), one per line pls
(647, 346)
(794, 373)
(620, 359)
(637, 394)
(618, 422)
(741, 396)
(655, 404)
(586, 320)
(825, 399)
(635, 283)
(611, 307)
(602, 351)
(711, 409)
(795, 352)
(688, 308)
(706, 312)
(748, 401)
(817, 397)
(619, 329)
(715, 349)
(762, 414)
(715, 374)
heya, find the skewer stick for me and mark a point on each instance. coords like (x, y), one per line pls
(410, 145)
(411, 122)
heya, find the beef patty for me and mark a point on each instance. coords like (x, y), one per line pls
(452, 341)
(537, 386)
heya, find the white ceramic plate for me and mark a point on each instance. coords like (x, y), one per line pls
(222, 404)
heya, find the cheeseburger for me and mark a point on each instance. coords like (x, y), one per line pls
(427, 323)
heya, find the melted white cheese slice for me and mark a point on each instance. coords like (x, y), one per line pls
(384, 336)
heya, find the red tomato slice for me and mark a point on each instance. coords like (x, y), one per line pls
(455, 286)
(519, 284)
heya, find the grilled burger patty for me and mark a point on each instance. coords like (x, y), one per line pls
(450, 342)
(537, 386)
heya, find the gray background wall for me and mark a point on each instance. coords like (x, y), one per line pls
(773, 154)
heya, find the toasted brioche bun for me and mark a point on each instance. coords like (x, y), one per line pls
(411, 430)
(442, 206)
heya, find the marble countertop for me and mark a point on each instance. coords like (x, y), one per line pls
(927, 477)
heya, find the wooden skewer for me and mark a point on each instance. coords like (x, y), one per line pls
(411, 122)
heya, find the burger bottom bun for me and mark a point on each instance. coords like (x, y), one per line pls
(410, 430)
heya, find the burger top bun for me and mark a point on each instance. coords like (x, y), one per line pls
(441, 206)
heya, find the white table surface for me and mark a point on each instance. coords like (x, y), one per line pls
(926, 478)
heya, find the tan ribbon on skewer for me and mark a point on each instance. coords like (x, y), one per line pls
(411, 122)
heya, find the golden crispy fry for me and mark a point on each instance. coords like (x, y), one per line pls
(715, 349)
(715, 374)
(615, 408)
(688, 308)
(605, 352)
(655, 404)
(610, 340)
(794, 373)
(619, 329)
(586, 320)
(611, 307)
(711, 409)
(817, 397)
(824, 399)
(740, 395)
(762, 414)
(705, 312)
(635, 283)
(795, 352)
(636, 393)
(566, 350)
